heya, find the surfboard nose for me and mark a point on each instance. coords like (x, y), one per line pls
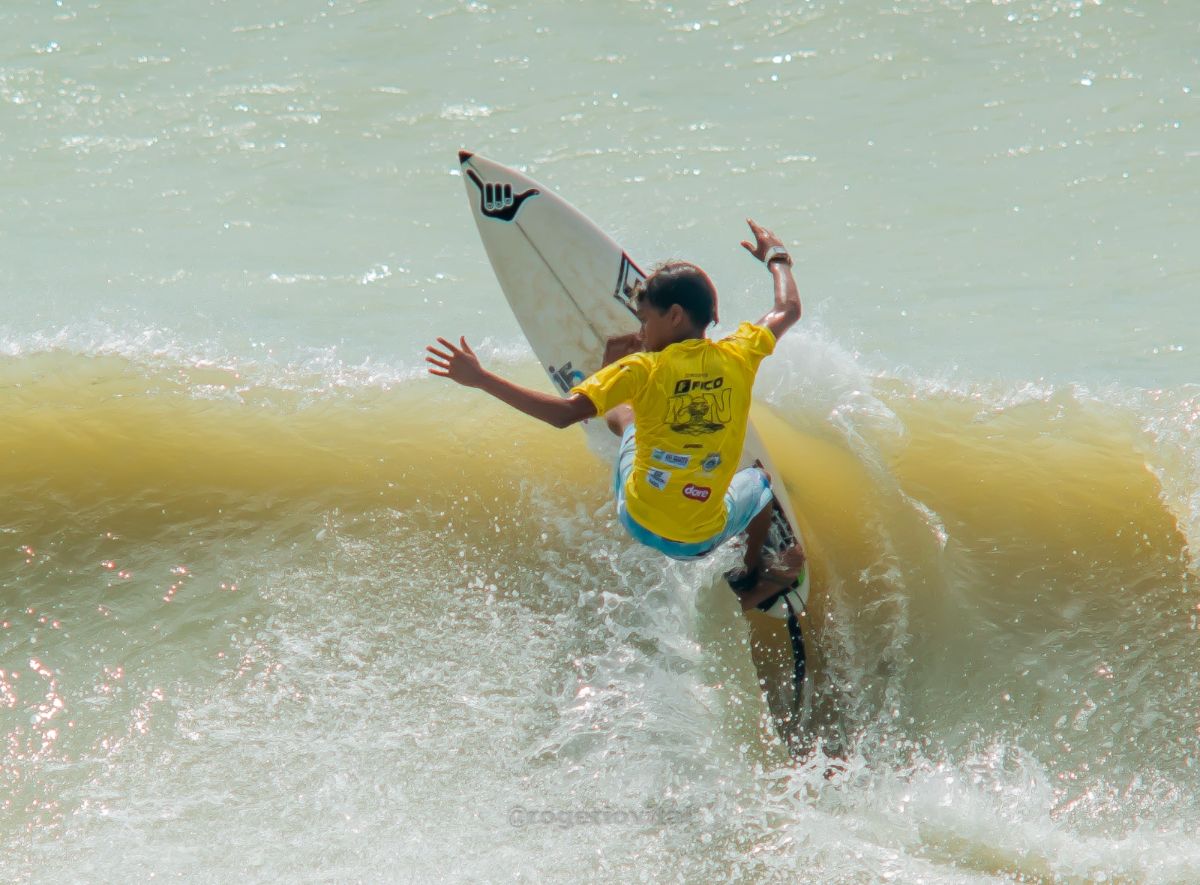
(463, 156)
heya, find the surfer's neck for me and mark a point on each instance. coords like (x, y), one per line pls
(681, 338)
(662, 327)
(693, 335)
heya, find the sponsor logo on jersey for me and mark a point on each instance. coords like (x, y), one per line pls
(700, 407)
(695, 492)
(687, 385)
(658, 478)
(671, 459)
(711, 462)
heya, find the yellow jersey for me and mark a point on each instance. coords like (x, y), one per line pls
(691, 403)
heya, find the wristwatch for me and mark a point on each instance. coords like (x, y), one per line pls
(777, 253)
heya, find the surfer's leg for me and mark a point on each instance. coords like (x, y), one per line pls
(774, 578)
(624, 464)
(756, 537)
(619, 418)
(762, 578)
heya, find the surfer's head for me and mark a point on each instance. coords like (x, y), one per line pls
(677, 301)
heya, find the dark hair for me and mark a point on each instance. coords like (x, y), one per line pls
(682, 283)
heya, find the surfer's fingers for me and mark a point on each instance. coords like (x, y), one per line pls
(763, 239)
(440, 363)
(761, 233)
(466, 348)
(446, 344)
(433, 350)
(758, 250)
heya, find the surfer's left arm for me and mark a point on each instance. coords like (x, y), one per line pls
(460, 364)
(770, 250)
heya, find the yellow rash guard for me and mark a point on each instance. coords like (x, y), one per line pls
(691, 402)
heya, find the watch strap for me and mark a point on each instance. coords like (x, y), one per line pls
(779, 253)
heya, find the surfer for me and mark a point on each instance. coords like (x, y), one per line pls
(680, 403)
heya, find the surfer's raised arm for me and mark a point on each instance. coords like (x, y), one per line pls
(459, 364)
(769, 249)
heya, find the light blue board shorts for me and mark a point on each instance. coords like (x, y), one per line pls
(749, 492)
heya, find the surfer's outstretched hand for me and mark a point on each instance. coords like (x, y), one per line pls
(764, 240)
(456, 363)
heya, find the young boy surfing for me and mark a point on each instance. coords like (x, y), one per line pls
(680, 403)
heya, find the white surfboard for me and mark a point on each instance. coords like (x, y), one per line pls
(569, 285)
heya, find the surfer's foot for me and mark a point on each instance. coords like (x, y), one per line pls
(775, 576)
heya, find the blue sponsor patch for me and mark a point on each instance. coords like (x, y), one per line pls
(671, 459)
(658, 478)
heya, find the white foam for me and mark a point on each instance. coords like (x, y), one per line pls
(311, 371)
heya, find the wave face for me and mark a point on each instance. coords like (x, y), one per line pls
(227, 583)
